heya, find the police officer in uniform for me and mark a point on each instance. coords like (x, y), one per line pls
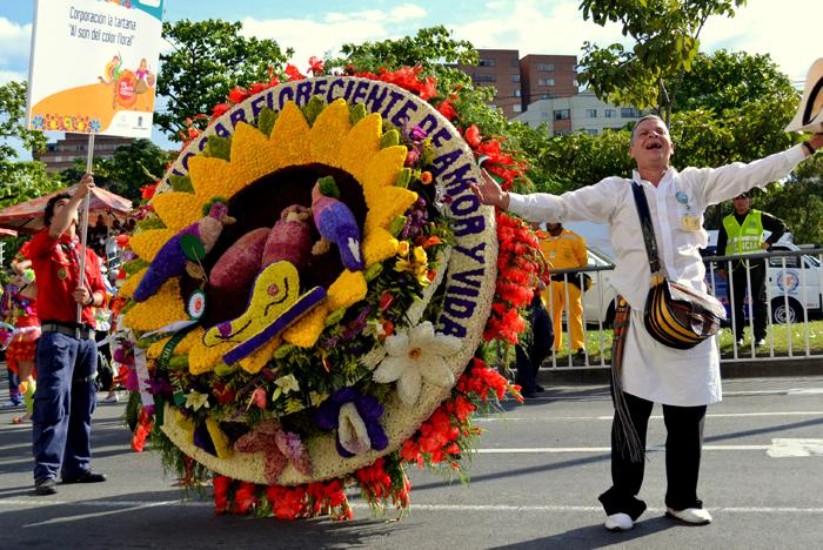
(742, 234)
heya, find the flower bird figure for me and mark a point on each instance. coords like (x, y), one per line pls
(336, 224)
(172, 260)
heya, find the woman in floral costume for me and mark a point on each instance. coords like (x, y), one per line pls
(23, 316)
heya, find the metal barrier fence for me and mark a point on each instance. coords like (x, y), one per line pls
(794, 297)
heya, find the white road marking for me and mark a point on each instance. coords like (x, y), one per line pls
(651, 448)
(507, 418)
(39, 502)
(794, 447)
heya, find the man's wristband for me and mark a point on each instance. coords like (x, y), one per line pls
(809, 147)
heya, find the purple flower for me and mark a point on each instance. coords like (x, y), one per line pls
(356, 418)
(417, 133)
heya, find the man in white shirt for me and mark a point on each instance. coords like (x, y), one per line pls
(684, 382)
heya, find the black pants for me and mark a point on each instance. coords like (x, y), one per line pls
(739, 280)
(528, 359)
(684, 441)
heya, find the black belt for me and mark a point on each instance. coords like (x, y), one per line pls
(80, 331)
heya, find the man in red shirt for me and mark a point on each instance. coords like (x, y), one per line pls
(66, 353)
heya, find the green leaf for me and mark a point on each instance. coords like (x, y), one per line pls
(389, 139)
(181, 184)
(218, 147)
(193, 248)
(266, 120)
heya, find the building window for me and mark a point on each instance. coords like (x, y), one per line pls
(517, 108)
(545, 82)
(517, 93)
(591, 113)
(561, 114)
(611, 113)
(485, 63)
(545, 66)
(628, 112)
(515, 78)
(484, 78)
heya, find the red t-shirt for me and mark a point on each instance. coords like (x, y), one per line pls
(56, 264)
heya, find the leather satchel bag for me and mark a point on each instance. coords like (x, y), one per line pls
(675, 315)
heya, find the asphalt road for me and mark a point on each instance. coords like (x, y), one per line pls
(534, 484)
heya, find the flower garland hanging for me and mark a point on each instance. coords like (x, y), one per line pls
(309, 297)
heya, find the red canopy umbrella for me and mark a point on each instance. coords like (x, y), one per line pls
(27, 216)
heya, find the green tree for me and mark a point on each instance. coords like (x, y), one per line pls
(22, 180)
(731, 80)
(13, 121)
(208, 59)
(666, 42)
(136, 164)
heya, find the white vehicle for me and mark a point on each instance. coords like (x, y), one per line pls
(598, 301)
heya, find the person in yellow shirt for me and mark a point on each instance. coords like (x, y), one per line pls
(565, 249)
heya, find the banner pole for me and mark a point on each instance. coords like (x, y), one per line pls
(84, 226)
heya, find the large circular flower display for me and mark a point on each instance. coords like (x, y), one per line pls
(315, 279)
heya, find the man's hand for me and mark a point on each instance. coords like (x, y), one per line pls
(85, 185)
(765, 246)
(489, 192)
(82, 296)
(816, 140)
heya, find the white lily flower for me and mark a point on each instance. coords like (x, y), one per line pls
(416, 355)
(288, 383)
(196, 400)
(351, 430)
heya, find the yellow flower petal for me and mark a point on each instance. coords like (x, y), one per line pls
(349, 288)
(305, 332)
(362, 143)
(329, 133)
(379, 245)
(392, 202)
(257, 360)
(146, 244)
(382, 170)
(221, 441)
(212, 177)
(177, 210)
(131, 284)
(290, 137)
(203, 359)
(252, 154)
(162, 309)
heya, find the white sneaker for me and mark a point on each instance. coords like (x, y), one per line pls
(110, 399)
(761, 342)
(740, 342)
(618, 522)
(693, 516)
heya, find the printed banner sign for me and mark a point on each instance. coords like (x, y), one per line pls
(93, 66)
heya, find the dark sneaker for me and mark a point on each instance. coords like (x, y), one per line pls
(45, 486)
(85, 477)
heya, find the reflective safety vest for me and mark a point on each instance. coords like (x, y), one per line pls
(746, 238)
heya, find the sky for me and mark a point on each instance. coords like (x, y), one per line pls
(781, 28)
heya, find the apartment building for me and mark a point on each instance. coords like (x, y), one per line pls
(60, 155)
(519, 82)
(582, 112)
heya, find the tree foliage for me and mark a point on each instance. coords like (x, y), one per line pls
(22, 180)
(207, 59)
(666, 42)
(731, 80)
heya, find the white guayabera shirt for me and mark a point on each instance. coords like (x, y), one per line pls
(650, 369)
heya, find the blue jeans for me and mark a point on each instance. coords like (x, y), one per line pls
(63, 405)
